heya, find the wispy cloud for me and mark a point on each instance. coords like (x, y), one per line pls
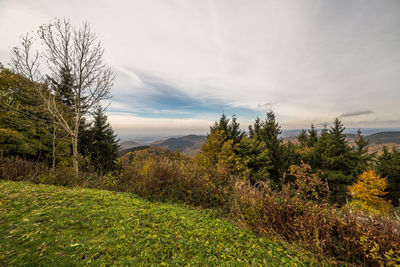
(154, 97)
(196, 59)
(356, 113)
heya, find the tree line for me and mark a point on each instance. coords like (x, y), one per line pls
(260, 154)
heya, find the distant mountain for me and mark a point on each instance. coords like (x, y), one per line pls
(128, 144)
(189, 145)
(384, 138)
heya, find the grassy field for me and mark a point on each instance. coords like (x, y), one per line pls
(49, 225)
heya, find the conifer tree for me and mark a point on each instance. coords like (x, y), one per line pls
(256, 158)
(231, 128)
(360, 154)
(388, 165)
(312, 136)
(335, 160)
(22, 134)
(303, 138)
(103, 148)
(268, 131)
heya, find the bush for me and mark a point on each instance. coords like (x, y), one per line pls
(298, 213)
(368, 193)
(17, 169)
(177, 180)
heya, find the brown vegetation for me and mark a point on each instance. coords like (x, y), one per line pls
(299, 212)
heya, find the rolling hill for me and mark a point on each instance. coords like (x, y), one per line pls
(189, 145)
(384, 138)
(128, 144)
(42, 225)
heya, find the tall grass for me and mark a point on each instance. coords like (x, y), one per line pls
(18, 169)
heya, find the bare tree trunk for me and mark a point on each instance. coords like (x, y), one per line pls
(54, 148)
(75, 154)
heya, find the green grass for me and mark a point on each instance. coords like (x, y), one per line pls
(50, 225)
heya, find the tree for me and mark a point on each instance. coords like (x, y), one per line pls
(388, 165)
(303, 138)
(19, 136)
(361, 158)
(231, 128)
(312, 136)
(368, 193)
(268, 131)
(27, 129)
(219, 153)
(102, 144)
(74, 62)
(255, 156)
(335, 160)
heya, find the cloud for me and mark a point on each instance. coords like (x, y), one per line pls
(264, 105)
(156, 98)
(196, 59)
(356, 113)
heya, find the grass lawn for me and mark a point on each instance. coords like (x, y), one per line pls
(50, 225)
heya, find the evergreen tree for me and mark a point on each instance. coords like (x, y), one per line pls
(303, 138)
(254, 131)
(361, 143)
(103, 148)
(335, 160)
(231, 128)
(256, 158)
(360, 154)
(64, 87)
(388, 165)
(312, 136)
(22, 133)
(268, 131)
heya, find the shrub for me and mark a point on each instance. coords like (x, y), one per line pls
(368, 193)
(177, 179)
(16, 169)
(299, 213)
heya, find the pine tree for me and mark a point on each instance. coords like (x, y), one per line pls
(22, 133)
(361, 143)
(231, 128)
(268, 131)
(336, 161)
(103, 148)
(256, 158)
(303, 138)
(360, 154)
(312, 136)
(388, 165)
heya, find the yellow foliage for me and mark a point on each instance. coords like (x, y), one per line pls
(368, 191)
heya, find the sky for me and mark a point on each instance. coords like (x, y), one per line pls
(180, 64)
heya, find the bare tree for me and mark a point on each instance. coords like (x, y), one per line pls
(69, 66)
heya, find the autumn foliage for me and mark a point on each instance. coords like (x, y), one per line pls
(368, 193)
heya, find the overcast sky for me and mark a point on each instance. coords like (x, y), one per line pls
(180, 64)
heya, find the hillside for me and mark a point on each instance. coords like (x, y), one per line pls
(128, 144)
(49, 225)
(189, 145)
(132, 149)
(143, 153)
(385, 138)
